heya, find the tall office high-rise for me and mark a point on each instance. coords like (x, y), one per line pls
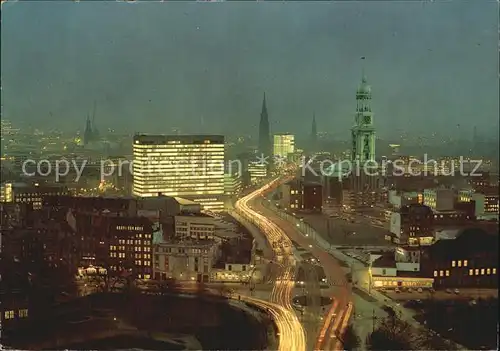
(283, 144)
(264, 137)
(186, 166)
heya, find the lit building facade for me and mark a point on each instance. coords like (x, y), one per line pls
(283, 145)
(29, 194)
(413, 225)
(257, 171)
(185, 260)
(470, 260)
(485, 202)
(298, 195)
(194, 226)
(190, 166)
(130, 246)
(440, 199)
(232, 184)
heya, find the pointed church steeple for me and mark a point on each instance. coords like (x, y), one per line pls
(87, 135)
(314, 131)
(263, 114)
(264, 137)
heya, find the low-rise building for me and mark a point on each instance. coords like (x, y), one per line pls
(196, 226)
(185, 260)
(470, 260)
(413, 225)
(440, 199)
(29, 193)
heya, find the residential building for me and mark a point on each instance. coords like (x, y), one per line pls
(299, 195)
(29, 193)
(189, 166)
(413, 225)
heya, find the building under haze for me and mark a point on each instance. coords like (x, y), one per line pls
(264, 136)
(363, 131)
(361, 191)
(187, 166)
(283, 145)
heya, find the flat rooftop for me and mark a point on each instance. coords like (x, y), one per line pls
(185, 202)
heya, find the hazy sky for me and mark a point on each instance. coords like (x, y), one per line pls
(155, 66)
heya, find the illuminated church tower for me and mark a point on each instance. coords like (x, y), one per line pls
(363, 131)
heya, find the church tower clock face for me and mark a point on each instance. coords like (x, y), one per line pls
(367, 120)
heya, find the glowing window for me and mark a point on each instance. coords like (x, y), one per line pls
(488, 271)
(482, 271)
(440, 273)
(494, 270)
(476, 272)
(460, 263)
(447, 273)
(453, 263)
(465, 263)
(471, 272)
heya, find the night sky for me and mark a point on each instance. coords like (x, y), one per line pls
(151, 67)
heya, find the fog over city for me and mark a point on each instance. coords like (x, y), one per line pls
(204, 67)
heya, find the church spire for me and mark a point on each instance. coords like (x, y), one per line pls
(263, 114)
(87, 135)
(264, 137)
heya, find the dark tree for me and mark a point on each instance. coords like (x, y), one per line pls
(350, 340)
(394, 334)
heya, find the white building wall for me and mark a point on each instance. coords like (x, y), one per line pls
(384, 272)
(395, 226)
(183, 262)
(408, 266)
(195, 227)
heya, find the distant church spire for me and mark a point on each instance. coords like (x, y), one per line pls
(264, 137)
(87, 135)
(314, 131)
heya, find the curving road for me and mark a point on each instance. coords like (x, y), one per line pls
(291, 332)
(337, 318)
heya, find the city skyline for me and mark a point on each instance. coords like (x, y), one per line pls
(206, 69)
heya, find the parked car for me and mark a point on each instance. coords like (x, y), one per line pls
(448, 291)
(456, 291)
(419, 290)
